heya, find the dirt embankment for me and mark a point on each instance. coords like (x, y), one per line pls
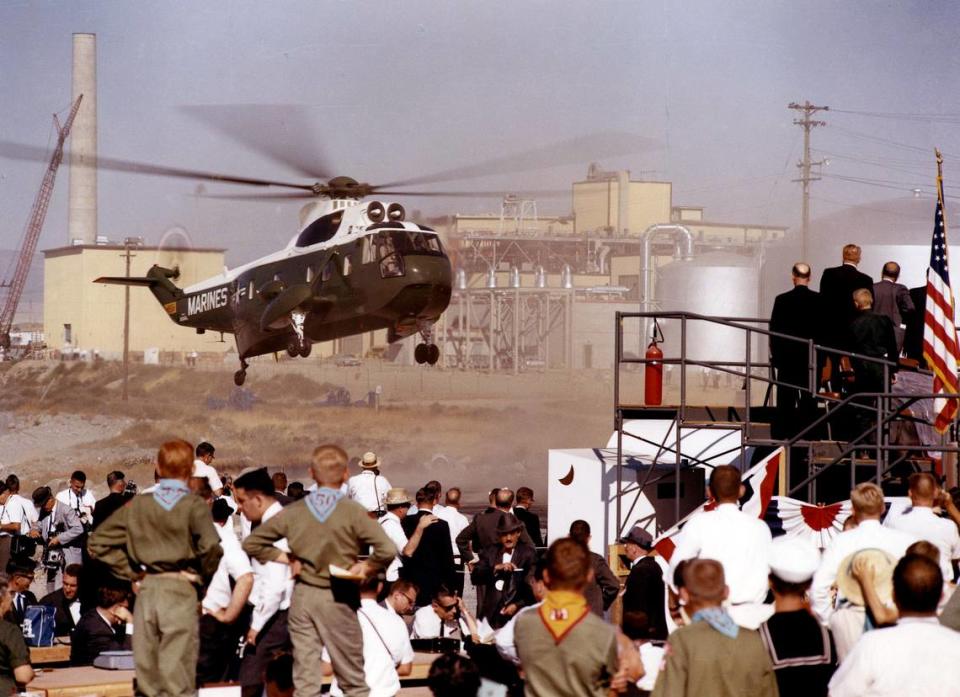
(463, 429)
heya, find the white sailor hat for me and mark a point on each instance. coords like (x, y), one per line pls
(793, 559)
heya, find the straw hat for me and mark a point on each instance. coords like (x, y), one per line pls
(882, 563)
(397, 496)
(369, 461)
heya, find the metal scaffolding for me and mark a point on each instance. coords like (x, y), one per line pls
(512, 329)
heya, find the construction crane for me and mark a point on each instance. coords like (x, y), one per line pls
(31, 234)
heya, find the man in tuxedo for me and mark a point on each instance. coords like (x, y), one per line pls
(20, 570)
(530, 520)
(431, 563)
(837, 286)
(798, 313)
(66, 601)
(893, 300)
(102, 629)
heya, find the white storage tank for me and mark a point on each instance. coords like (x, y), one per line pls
(718, 284)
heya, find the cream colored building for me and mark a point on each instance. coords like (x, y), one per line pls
(84, 315)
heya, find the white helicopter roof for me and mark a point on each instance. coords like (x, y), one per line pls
(354, 223)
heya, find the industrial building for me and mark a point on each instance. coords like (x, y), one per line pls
(79, 314)
(541, 292)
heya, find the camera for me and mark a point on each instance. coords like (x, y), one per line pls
(52, 558)
(131, 488)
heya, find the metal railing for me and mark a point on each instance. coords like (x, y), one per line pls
(883, 407)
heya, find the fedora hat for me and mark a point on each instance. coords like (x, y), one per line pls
(508, 523)
(397, 496)
(882, 563)
(639, 537)
(369, 461)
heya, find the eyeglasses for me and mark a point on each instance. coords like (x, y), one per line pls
(412, 601)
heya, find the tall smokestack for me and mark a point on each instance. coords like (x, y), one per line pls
(82, 221)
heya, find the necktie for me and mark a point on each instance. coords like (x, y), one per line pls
(20, 604)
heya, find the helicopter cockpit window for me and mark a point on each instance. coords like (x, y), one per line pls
(320, 230)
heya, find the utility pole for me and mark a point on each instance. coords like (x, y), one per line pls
(808, 123)
(127, 242)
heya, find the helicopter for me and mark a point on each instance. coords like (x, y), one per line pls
(353, 266)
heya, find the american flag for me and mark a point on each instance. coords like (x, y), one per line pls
(939, 331)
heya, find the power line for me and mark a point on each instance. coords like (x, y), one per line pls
(952, 118)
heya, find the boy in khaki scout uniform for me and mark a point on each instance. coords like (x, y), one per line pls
(321, 529)
(566, 650)
(165, 543)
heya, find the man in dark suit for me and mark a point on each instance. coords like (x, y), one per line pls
(482, 531)
(913, 337)
(872, 335)
(893, 300)
(504, 571)
(66, 601)
(645, 591)
(530, 520)
(798, 313)
(604, 589)
(102, 628)
(20, 570)
(117, 484)
(431, 564)
(836, 293)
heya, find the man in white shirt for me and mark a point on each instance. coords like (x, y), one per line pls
(917, 656)
(868, 506)
(203, 467)
(440, 619)
(387, 653)
(369, 488)
(222, 606)
(738, 540)
(79, 498)
(402, 598)
(31, 515)
(397, 503)
(272, 588)
(920, 521)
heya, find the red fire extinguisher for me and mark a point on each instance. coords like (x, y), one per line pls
(653, 371)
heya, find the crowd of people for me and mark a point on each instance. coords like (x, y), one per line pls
(346, 577)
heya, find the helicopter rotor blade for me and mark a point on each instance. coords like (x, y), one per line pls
(566, 152)
(30, 153)
(544, 193)
(284, 133)
(273, 196)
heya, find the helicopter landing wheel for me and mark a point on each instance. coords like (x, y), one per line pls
(421, 353)
(293, 348)
(305, 350)
(240, 377)
(433, 354)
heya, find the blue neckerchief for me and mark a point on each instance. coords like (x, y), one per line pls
(169, 492)
(717, 618)
(322, 502)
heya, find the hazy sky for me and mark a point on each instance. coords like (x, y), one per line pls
(397, 89)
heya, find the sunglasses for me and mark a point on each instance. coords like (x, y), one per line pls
(447, 608)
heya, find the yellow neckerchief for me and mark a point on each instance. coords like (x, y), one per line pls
(561, 611)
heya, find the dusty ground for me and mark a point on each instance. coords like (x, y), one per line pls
(472, 430)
